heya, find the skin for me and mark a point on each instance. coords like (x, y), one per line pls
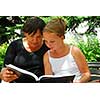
(59, 49)
(31, 43)
(7, 75)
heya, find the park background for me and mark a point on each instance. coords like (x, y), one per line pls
(88, 91)
(82, 31)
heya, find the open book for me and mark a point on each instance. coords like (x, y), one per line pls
(30, 77)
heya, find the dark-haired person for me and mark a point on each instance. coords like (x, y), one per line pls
(27, 52)
(63, 59)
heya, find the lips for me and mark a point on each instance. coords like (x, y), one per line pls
(52, 49)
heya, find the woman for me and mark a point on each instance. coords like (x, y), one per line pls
(27, 52)
(63, 59)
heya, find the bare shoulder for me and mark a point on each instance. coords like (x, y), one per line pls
(76, 52)
(75, 49)
(46, 54)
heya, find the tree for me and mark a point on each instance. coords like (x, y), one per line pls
(8, 24)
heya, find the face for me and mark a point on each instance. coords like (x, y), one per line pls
(53, 41)
(34, 40)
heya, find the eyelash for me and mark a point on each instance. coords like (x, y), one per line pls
(49, 42)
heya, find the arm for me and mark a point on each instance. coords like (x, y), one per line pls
(10, 54)
(82, 64)
(6, 74)
(47, 66)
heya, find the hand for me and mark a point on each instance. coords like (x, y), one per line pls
(77, 81)
(8, 75)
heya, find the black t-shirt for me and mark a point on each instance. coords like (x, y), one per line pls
(17, 55)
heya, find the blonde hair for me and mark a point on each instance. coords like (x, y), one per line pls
(57, 26)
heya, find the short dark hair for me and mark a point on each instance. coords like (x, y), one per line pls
(33, 24)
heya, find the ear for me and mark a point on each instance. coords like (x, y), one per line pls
(25, 34)
(62, 37)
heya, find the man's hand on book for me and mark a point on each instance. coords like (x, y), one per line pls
(8, 75)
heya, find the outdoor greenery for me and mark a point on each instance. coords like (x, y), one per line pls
(3, 49)
(91, 48)
(8, 24)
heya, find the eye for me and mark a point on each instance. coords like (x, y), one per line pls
(49, 41)
(52, 41)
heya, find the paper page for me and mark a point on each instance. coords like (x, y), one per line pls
(22, 71)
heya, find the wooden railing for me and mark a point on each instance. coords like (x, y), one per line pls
(95, 70)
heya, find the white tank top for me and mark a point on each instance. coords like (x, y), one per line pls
(65, 65)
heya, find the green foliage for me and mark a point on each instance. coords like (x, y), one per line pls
(3, 49)
(91, 49)
(48, 18)
(7, 31)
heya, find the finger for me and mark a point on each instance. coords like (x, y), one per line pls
(10, 72)
(10, 78)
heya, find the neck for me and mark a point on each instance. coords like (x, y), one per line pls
(30, 48)
(64, 50)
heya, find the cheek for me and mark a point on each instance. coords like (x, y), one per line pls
(49, 45)
(54, 46)
(57, 45)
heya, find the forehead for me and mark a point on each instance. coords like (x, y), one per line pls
(38, 33)
(49, 35)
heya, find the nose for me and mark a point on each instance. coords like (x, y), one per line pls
(34, 40)
(48, 45)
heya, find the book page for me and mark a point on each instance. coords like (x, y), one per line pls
(19, 70)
